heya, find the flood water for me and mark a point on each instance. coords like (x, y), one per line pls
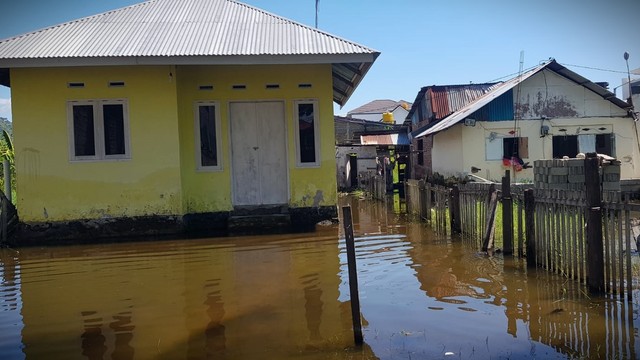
(422, 296)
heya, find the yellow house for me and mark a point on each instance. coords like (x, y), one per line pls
(176, 115)
(547, 112)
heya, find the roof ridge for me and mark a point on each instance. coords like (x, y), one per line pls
(147, 2)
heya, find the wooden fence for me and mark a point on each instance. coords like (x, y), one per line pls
(429, 203)
(582, 235)
(375, 185)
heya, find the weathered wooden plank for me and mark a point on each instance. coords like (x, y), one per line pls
(529, 208)
(488, 235)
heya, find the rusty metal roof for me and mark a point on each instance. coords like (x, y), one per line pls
(446, 99)
(183, 32)
(502, 88)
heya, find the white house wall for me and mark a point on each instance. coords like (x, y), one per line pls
(447, 152)
(474, 140)
(399, 114)
(550, 95)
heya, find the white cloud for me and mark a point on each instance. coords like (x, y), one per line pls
(5, 108)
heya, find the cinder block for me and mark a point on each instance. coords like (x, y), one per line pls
(558, 179)
(611, 169)
(574, 162)
(610, 177)
(576, 170)
(576, 178)
(611, 186)
(559, 170)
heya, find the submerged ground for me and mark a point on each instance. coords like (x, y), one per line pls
(423, 296)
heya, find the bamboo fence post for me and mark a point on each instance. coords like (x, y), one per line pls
(454, 208)
(529, 214)
(487, 241)
(507, 214)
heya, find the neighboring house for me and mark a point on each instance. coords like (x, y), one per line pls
(361, 148)
(432, 104)
(635, 90)
(547, 112)
(181, 114)
(375, 109)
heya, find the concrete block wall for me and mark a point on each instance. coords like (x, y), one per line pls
(568, 174)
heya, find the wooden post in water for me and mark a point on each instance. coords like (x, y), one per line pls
(487, 240)
(530, 229)
(428, 195)
(595, 256)
(507, 214)
(454, 209)
(353, 274)
(6, 167)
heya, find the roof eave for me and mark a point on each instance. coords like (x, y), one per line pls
(265, 59)
(342, 94)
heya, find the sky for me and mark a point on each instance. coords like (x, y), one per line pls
(425, 42)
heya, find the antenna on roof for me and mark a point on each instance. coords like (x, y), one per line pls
(517, 115)
(317, 1)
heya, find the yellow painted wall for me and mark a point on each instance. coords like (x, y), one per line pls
(161, 176)
(210, 191)
(50, 187)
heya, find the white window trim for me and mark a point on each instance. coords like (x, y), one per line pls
(196, 128)
(316, 133)
(98, 130)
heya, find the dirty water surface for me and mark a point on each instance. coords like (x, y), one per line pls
(422, 296)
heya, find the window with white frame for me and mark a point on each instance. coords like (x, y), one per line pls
(207, 130)
(98, 130)
(307, 142)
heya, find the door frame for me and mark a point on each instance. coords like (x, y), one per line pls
(286, 120)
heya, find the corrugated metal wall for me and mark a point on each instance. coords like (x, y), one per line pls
(497, 110)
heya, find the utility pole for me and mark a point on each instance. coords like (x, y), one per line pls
(626, 59)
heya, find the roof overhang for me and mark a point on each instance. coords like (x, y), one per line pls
(347, 69)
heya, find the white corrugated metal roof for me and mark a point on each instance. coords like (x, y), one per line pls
(502, 88)
(188, 32)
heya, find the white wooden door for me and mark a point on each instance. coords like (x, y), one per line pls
(258, 151)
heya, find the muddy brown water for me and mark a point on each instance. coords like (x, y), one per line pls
(423, 296)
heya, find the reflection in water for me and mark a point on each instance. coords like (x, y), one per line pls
(11, 323)
(475, 305)
(214, 333)
(286, 296)
(313, 306)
